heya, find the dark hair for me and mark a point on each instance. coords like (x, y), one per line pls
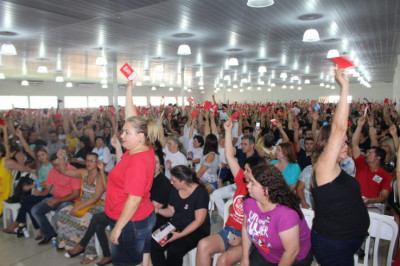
(269, 140)
(287, 150)
(322, 139)
(53, 157)
(99, 137)
(253, 161)
(85, 141)
(379, 152)
(211, 144)
(308, 139)
(250, 138)
(200, 139)
(53, 132)
(278, 190)
(184, 173)
(93, 154)
(249, 129)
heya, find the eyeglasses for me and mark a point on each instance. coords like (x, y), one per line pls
(93, 161)
(99, 141)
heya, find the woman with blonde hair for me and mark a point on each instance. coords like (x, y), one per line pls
(128, 205)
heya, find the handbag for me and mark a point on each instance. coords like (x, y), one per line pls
(83, 211)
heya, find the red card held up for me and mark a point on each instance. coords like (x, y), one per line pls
(189, 99)
(386, 101)
(264, 109)
(274, 122)
(214, 107)
(194, 113)
(2, 123)
(343, 62)
(235, 115)
(207, 105)
(128, 72)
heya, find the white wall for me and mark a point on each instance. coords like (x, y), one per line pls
(396, 80)
(378, 91)
(50, 88)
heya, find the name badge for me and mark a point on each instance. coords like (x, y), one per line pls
(377, 179)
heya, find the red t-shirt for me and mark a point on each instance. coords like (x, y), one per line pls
(62, 184)
(235, 218)
(371, 183)
(132, 175)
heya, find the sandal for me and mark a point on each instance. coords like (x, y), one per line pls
(87, 260)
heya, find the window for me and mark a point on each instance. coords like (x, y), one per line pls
(10, 102)
(137, 100)
(180, 100)
(75, 102)
(168, 100)
(155, 100)
(97, 101)
(40, 102)
(335, 98)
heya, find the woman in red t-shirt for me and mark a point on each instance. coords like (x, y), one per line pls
(128, 203)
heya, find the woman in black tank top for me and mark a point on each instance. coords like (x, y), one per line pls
(341, 218)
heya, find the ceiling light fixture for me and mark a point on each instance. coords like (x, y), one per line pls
(104, 86)
(291, 87)
(233, 61)
(42, 70)
(201, 88)
(322, 84)
(2, 76)
(25, 83)
(171, 89)
(260, 3)
(59, 79)
(283, 75)
(101, 59)
(199, 73)
(184, 49)
(235, 86)
(307, 81)
(138, 83)
(201, 83)
(241, 90)
(258, 88)
(153, 88)
(159, 68)
(103, 81)
(262, 69)
(162, 85)
(311, 35)
(68, 85)
(283, 86)
(249, 88)
(146, 78)
(8, 49)
(332, 53)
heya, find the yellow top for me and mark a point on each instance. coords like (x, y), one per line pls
(72, 143)
(5, 183)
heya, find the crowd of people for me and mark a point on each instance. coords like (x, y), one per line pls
(136, 169)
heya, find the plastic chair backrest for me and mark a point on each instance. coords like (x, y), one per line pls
(227, 206)
(382, 227)
(308, 215)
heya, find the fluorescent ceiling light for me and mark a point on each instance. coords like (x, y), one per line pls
(299, 88)
(307, 81)
(258, 88)
(283, 75)
(241, 90)
(291, 87)
(260, 3)
(104, 86)
(8, 49)
(311, 35)
(201, 83)
(201, 88)
(103, 81)
(189, 90)
(146, 78)
(2, 76)
(42, 70)
(283, 86)
(199, 73)
(24, 83)
(159, 68)
(171, 89)
(249, 88)
(68, 85)
(138, 83)
(184, 49)
(59, 79)
(269, 89)
(162, 85)
(322, 84)
(153, 88)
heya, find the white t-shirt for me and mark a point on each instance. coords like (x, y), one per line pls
(223, 115)
(222, 158)
(106, 158)
(173, 159)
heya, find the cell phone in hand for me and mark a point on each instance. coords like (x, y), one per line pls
(257, 125)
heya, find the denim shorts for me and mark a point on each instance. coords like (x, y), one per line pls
(134, 241)
(224, 234)
(213, 184)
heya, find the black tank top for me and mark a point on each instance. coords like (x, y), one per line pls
(340, 213)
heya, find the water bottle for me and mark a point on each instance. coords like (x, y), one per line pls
(54, 241)
(101, 154)
(38, 186)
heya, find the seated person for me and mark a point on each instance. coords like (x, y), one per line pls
(228, 240)
(188, 210)
(65, 191)
(73, 220)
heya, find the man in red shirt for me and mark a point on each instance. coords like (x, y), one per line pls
(65, 191)
(374, 181)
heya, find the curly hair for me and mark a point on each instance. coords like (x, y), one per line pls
(279, 192)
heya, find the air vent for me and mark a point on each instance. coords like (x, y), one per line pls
(87, 85)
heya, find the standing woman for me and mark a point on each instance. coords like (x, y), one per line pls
(341, 219)
(128, 204)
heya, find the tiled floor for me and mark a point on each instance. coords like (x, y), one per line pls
(26, 252)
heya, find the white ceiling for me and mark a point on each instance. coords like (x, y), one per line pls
(66, 35)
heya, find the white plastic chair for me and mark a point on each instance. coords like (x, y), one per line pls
(12, 208)
(309, 216)
(382, 227)
(227, 206)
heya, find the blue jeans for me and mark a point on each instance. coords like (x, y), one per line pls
(39, 213)
(224, 234)
(27, 203)
(334, 252)
(134, 241)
